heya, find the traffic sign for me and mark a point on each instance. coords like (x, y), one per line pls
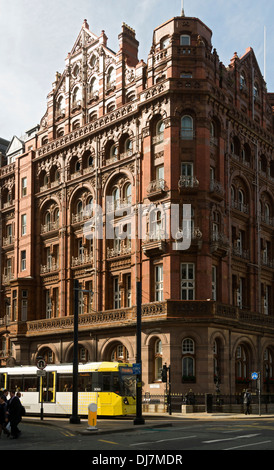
(41, 373)
(41, 363)
(254, 375)
(136, 368)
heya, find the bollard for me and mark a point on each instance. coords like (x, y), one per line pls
(92, 415)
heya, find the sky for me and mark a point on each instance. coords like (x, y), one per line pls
(36, 36)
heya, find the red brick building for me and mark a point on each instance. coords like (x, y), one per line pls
(118, 132)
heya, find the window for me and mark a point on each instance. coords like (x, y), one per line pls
(93, 87)
(116, 293)
(185, 75)
(159, 283)
(24, 305)
(23, 224)
(187, 128)
(23, 260)
(76, 97)
(128, 290)
(80, 300)
(158, 359)
(160, 173)
(119, 353)
(156, 225)
(268, 365)
(48, 304)
(184, 40)
(128, 194)
(110, 77)
(164, 43)
(214, 283)
(187, 281)
(242, 81)
(24, 186)
(188, 360)
(241, 363)
(14, 304)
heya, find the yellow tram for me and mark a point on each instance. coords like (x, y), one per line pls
(113, 381)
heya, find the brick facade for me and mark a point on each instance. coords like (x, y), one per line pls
(180, 129)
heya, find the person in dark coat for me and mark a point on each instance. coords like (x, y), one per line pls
(3, 414)
(14, 414)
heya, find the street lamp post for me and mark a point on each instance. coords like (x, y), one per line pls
(139, 419)
(74, 419)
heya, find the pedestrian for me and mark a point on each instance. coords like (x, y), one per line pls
(247, 401)
(5, 395)
(3, 414)
(14, 414)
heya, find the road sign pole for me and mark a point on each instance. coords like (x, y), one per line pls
(259, 379)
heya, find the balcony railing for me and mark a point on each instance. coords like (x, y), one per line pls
(240, 206)
(188, 182)
(156, 187)
(50, 226)
(118, 251)
(81, 217)
(7, 278)
(49, 268)
(8, 240)
(82, 259)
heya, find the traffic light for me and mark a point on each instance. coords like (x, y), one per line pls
(164, 373)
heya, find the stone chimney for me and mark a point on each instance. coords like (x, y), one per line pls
(129, 45)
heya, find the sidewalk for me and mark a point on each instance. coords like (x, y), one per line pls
(111, 425)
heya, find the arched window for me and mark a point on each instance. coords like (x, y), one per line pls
(188, 360)
(187, 128)
(267, 213)
(158, 359)
(116, 198)
(128, 193)
(241, 366)
(160, 127)
(79, 209)
(89, 207)
(217, 361)
(164, 42)
(263, 163)
(268, 366)
(76, 97)
(111, 77)
(60, 107)
(119, 353)
(113, 154)
(128, 147)
(56, 215)
(47, 218)
(93, 87)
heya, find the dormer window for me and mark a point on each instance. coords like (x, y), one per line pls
(184, 40)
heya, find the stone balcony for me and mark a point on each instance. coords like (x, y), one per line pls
(152, 312)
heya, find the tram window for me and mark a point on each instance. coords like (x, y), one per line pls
(116, 384)
(128, 385)
(2, 381)
(106, 383)
(30, 383)
(16, 382)
(84, 382)
(65, 383)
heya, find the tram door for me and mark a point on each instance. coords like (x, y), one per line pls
(47, 389)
